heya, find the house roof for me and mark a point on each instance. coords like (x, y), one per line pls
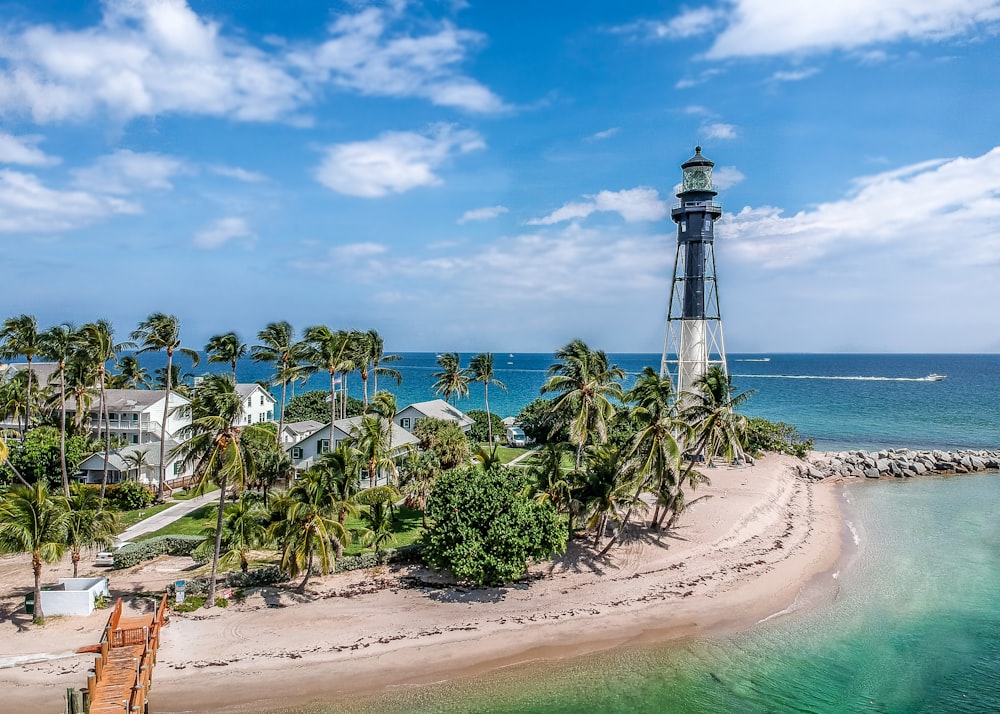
(440, 409)
(115, 461)
(306, 426)
(400, 436)
(245, 390)
(133, 399)
(44, 371)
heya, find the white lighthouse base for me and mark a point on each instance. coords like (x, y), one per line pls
(692, 356)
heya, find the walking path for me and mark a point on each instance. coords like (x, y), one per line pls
(167, 516)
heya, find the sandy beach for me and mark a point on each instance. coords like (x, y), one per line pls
(738, 556)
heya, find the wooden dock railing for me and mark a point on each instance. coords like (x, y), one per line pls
(123, 670)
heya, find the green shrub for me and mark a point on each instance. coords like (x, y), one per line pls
(406, 554)
(763, 435)
(148, 549)
(129, 496)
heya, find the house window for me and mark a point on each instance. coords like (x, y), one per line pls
(296, 452)
(322, 446)
(135, 417)
(178, 465)
(262, 400)
(405, 422)
(135, 438)
(249, 402)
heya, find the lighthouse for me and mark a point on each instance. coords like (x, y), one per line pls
(694, 323)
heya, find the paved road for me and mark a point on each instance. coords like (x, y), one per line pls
(168, 515)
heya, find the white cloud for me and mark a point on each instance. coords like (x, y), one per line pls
(606, 134)
(28, 206)
(150, 57)
(795, 75)
(691, 22)
(235, 172)
(24, 150)
(701, 78)
(777, 27)
(718, 130)
(364, 55)
(125, 171)
(482, 214)
(636, 204)
(724, 177)
(395, 162)
(942, 211)
(354, 251)
(221, 232)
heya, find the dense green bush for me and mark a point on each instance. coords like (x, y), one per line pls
(764, 435)
(486, 527)
(36, 456)
(315, 405)
(445, 439)
(479, 431)
(538, 422)
(129, 496)
(405, 554)
(161, 545)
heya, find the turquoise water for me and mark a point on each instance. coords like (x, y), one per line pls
(914, 626)
(841, 401)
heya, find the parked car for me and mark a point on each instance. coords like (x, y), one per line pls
(107, 557)
(516, 437)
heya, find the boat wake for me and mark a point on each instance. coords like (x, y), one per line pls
(753, 359)
(928, 378)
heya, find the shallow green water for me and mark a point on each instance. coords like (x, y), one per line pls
(914, 627)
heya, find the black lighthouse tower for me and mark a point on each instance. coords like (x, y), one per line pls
(694, 323)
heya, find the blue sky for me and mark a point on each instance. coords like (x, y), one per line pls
(498, 176)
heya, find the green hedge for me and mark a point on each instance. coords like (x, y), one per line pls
(161, 545)
(406, 554)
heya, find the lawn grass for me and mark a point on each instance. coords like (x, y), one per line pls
(407, 528)
(191, 524)
(506, 454)
(567, 461)
(127, 519)
(186, 495)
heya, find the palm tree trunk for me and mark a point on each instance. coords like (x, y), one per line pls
(16, 472)
(234, 370)
(210, 602)
(163, 429)
(309, 565)
(76, 560)
(27, 399)
(103, 412)
(281, 417)
(62, 428)
(489, 418)
(333, 407)
(364, 381)
(36, 567)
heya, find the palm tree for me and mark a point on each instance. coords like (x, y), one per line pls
(340, 469)
(371, 356)
(551, 482)
(418, 472)
(32, 521)
(159, 332)
(383, 404)
(88, 525)
(609, 487)
(136, 459)
(5, 461)
(219, 448)
(328, 350)
(226, 348)
(585, 385)
(272, 466)
(656, 445)
(244, 528)
(371, 438)
(305, 526)
(452, 380)
(131, 374)
(12, 404)
(377, 518)
(58, 343)
(481, 370)
(19, 338)
(279, 347)
(99, 338)
(81, 377)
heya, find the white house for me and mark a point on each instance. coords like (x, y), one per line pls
(296, 431)
(136, 414)
(91, 469)
(435, 409)
(306, 452)
(258, 404)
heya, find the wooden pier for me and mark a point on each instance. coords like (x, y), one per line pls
(123, 669)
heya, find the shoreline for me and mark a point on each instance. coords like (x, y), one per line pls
(735, 561)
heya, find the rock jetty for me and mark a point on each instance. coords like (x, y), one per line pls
(898, 463)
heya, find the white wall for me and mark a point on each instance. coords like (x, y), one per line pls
(76, 599)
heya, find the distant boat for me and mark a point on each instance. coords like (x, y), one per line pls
(935, 377)
(511, 354)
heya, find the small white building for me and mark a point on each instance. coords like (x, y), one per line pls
(135, 414)
(258, 404)
(408, 417)
(307, 451)
(296, 431)
(91, 469)
(73, 596)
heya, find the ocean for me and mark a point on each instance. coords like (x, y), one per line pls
(841, 401)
